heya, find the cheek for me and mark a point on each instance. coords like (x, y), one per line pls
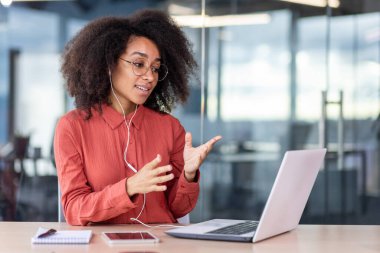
(124, 73)
(129, 75)
(127, 79)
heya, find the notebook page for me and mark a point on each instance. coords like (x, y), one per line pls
(63, 237)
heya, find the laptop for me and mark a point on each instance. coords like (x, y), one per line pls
(282, 211)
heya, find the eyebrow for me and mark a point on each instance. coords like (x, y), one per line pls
(145, 55)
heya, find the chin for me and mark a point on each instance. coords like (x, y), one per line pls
(139, 102)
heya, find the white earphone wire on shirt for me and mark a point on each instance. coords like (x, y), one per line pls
(128, 127)
(128, 164)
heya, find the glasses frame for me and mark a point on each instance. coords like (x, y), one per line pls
(147, 69)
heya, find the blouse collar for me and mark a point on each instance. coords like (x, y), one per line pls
(114, 119)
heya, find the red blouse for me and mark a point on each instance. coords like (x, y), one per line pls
(92, 173)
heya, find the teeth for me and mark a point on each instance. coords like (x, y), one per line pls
(142, 88)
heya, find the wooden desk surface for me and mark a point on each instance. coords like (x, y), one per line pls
(15, 237)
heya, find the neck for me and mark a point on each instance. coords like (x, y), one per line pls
(123, 107)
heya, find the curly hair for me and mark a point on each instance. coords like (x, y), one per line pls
(88, 57)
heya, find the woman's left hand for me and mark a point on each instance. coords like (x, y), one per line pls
(194, 156)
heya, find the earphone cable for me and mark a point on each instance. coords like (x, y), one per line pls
(128, 124)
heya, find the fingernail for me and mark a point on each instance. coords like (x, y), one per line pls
(158, 157)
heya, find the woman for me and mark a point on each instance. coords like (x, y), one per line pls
(121, 157)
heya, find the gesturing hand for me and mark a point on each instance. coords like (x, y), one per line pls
(147, 179)
(194, 156)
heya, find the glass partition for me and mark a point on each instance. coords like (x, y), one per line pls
(27, 172)
(247, 103)
(346, 61)
(4, 87)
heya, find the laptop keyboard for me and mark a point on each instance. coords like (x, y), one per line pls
(236, 229)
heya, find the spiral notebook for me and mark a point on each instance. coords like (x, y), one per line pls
(63, 237)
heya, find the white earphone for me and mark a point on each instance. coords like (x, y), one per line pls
(126, 123)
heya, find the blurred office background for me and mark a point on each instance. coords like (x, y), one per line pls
(273, 76)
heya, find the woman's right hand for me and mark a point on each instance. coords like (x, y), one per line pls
(148, 178)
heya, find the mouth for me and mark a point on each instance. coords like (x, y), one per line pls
(142, 88)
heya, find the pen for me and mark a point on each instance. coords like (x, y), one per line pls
(47, 233)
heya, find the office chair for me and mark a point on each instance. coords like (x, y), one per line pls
(61, 216)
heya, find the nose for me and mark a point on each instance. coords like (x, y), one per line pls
(149, 75)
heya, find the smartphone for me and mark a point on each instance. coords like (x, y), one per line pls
(129, 237)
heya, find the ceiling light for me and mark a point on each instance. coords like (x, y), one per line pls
(317, 3)
(197, 21)
(42, 0)
(6, 3)
(180, 10)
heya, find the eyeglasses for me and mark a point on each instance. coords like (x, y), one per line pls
(140, 67)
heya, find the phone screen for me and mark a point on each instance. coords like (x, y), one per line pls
(130, 236)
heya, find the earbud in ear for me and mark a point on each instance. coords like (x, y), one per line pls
(109, 72)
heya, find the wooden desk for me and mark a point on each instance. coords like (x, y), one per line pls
(15, 237)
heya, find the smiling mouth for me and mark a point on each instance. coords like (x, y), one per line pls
(142, 88)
